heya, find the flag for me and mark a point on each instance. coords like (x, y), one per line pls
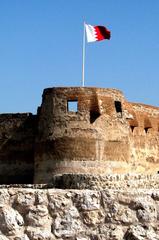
(96, 33)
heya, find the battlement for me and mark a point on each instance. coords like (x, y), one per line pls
(79, 130)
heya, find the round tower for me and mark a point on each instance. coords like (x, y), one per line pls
(80, 130)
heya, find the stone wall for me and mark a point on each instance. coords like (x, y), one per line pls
(49, 214)
(110, 181)
(17, 137)
(104, 135)
(67, 141)
(144, 138)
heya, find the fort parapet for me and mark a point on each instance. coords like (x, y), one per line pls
(102, 134)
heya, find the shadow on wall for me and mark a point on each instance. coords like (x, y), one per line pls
(94, 109)
(17, 136)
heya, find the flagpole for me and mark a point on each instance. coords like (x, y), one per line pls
(83, 58)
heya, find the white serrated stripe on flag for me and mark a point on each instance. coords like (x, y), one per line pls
(91, 33)
(97, 33)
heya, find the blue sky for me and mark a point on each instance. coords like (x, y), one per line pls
(41, 46)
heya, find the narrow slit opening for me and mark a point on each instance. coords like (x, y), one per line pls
(132, 128)
(118, 108)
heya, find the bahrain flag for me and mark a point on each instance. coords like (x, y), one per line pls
(96, 33)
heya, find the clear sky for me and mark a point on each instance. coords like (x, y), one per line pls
(41, 46)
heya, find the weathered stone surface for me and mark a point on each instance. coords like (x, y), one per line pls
(111, 232)
(51, 214)
(139, 232)
(4, 197)
(38, 216)
(105, 156)
(19, 237)
(11, 221)
(107, 181)
(39, 234)
(66, 218)
(120, 214)
(68, 225)
(145, 209)
(3, 237)
(105, 135)
(17, 137)
(88, 200)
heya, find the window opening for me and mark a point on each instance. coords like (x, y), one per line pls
(93, 116)
(118, 106)
(72, 106)
(146, 129)
(132, 128)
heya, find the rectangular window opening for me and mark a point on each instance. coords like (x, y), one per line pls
(118, 106)
(72, 106)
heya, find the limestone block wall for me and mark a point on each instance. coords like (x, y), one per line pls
(17, 136)
(144, 138)
(49, 214)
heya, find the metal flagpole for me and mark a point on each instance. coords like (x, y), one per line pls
(83, 58)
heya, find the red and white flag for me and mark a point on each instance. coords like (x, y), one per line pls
(96, 33)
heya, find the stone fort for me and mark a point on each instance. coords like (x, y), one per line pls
(85, 167)
(103, 134)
